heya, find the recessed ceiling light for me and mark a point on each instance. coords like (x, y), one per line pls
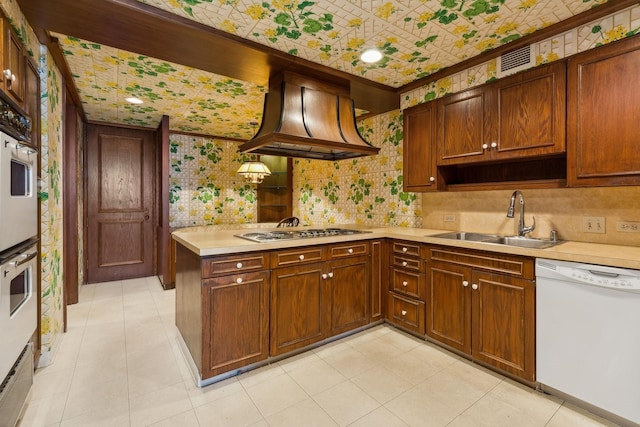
(371, 55)
(134, 100)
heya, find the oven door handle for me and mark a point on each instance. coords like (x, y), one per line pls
(27, 258)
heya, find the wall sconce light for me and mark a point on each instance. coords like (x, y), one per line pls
(254, 172)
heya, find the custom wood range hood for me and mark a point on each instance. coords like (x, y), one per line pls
(309, 118)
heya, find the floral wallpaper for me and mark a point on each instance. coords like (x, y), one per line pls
(204, 188)
(366, 190)
(614, 27)
(417, 38)
(51, 184)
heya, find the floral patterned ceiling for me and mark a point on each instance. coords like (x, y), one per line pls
(417, 38)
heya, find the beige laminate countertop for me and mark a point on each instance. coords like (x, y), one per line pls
(205, 242)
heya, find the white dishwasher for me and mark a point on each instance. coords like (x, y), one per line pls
(588, 335)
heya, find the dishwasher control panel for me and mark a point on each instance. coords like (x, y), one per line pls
(590, 274)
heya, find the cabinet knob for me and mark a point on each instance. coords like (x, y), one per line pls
(350, 250)
(404, 249)
(404, 312)
(301, 257)
(324, 275)
(494, 144)
(239, 280)
(239, 265)
(432, 179)
(7, 73)
(404, 263)
(465, 283)
(485, 146)
(405, 283)
(474, 286)
(330, 274)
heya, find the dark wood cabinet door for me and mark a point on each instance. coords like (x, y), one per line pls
(449, 305)
(504, 323)
(603, 112)
(348, 294)
(32, 99)
(13, 65)
(379, 278)
(419, 149)
(236, 324)
(531, 113)
(298, 307)
(462, 127)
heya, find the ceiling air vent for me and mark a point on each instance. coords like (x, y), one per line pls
(514, 61)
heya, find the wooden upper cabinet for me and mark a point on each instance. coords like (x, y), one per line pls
(419, 150)
(603, 115)
(520, 116)
(13, 64)
(463, 127)
(32, 98)
(531, 110)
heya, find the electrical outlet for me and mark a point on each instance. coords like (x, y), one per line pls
(593, 224)
(449, 217)
(628, 226)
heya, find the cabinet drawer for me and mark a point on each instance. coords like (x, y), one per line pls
(297, 256)
(238, 263)
(407, 263)
(349, 250)
(236, 279)
(406, 248)
(408, 283)
(513, 265)
(406, 313)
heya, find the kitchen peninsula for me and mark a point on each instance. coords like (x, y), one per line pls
(242, 304)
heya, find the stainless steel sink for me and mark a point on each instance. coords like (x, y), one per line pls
(523, 242)
(463, 235)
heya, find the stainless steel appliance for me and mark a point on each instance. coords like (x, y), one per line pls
(271, 236)
(588, 349)
(18, 172)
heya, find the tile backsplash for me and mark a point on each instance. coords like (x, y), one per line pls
(560, 209)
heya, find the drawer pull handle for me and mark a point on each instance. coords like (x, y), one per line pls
(404, 263)
(465, 283)
(239, 280)
(324, 275)
(474, 286)
(239, 265)
(404, 312)
(404, 249)
(301, 257)
(350, 250)
(404, 283)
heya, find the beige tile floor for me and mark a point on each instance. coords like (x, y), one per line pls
(119, 365)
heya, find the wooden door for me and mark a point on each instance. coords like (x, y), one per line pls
(236, 321)
(298, 307)
(531, 113)
(120, 203)
(419, 149)
(349, 294)
(503, 319)
(449, 305)
(462, 127)
(603, 112)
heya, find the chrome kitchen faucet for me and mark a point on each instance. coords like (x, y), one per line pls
(522, 229)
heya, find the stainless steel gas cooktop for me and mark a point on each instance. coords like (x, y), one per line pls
(272, 236)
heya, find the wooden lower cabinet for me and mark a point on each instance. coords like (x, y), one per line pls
(348, 294)
(487, 315)
(298, 306)
(236, 321)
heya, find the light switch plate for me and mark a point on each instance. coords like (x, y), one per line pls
(593, 224)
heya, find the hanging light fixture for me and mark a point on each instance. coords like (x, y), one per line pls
(254, 172)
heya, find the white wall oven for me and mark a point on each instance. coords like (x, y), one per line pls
(18, 192)
(18, 322)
